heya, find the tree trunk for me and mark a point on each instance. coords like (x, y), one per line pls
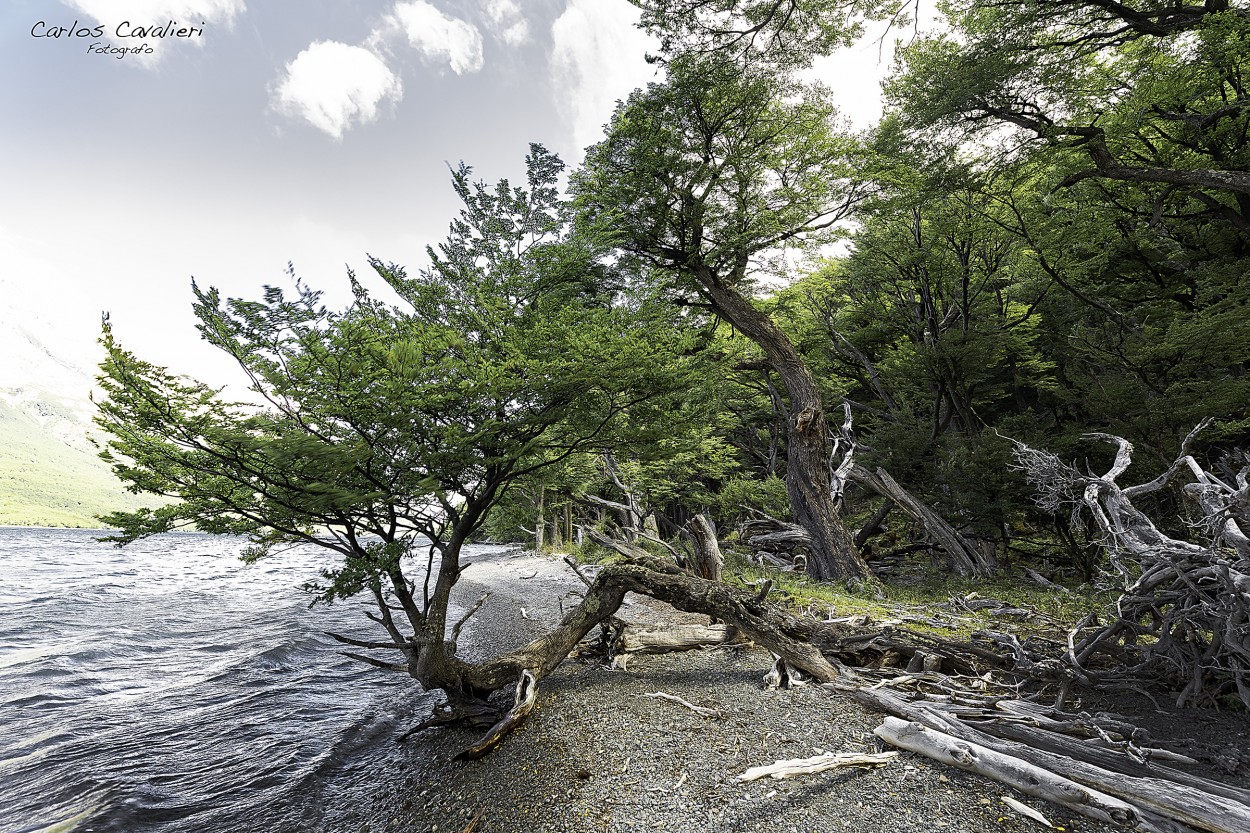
(964, 557)
(808, 479)
(707, 560)
(540, 525)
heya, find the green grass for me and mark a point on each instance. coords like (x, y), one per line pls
(931, 597)
(44, 482)
(925, 597)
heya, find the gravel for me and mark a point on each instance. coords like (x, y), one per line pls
(596, 755)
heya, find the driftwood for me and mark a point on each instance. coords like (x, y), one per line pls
(1025, 810)
(1026, 777)
(819, 763)
(663, 639)
(1184, 612)
(701, 711)
(1162, 799)
(630, 640)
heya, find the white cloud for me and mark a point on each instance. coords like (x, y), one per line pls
(507, 22)
(205, 14)
(334, 86)
(596, 60)
(438, 37)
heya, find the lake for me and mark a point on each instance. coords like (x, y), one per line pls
(167, 686)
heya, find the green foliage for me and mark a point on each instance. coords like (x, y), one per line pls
(1058, 245)
(390, 425)
(717, 166)
(786, 32)
(740, 495)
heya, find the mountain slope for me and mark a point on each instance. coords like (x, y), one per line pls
(49, 472)
(45, 481)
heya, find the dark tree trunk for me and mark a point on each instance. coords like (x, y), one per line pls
(808, 481)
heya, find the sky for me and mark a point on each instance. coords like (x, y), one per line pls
(315, 132)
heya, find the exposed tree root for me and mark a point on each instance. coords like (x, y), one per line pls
(526, 699)
(1184, 615)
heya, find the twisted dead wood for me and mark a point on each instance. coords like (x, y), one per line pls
(1184, 615)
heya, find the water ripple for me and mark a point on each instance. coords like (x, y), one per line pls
(168, 687)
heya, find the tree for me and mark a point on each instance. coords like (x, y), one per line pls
(780, 32)
(701, 178)
(1146, 93)
(385, 435)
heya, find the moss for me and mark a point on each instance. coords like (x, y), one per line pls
(930, 597)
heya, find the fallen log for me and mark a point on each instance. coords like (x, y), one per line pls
(664, 639)
(1163, 805)
(1005, 769)
(1110, 759)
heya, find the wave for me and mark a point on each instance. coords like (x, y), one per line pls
(188, 692)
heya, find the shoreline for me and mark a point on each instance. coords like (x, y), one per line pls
(599, 756)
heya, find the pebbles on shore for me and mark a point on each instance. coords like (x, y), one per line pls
(596, 755)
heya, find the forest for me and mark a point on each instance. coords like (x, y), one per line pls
(1001, 334)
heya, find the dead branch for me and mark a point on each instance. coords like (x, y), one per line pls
(526, 698)
(455, 631)
(1183, 615)
(701, 711)
(819, 763)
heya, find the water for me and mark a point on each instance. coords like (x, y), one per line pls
(168, 687)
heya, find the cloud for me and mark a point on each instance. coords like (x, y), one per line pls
(334, 86)
(507, 22)
(438, 37)
(597, 59)
(159, 12)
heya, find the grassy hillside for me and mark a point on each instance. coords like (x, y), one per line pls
(47, 482)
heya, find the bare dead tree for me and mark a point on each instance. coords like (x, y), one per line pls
(1183, 616)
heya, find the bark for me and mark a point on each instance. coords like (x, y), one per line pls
(525, 700)
(1022, 775)
(809, 482)
(1157, 800)
(663, 639)
(819, 763)
(706, 561)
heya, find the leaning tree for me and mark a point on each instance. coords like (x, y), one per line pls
(703, 178)
(384, 434)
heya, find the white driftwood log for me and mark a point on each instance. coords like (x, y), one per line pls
(1025, 810)
(819, 763)
(663, 639)
(1007, 770)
